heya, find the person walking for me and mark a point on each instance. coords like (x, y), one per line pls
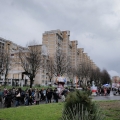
(1, 96)
(37, 97)
(49, 95)
(105, 91)
(30, 97)
(17, 98)
(8, 99)
(55, 96)
(26, 97)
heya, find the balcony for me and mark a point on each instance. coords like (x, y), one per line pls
(70, 44)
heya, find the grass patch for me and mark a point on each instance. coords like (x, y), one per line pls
(111, 109)
(53, 111)
(35, 112)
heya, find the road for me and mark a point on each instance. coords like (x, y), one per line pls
(106, 98)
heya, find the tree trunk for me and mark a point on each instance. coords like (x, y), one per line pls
(71, 82)
(5, 80)
(50, 83)
(5, 83)
(31, 82)
(6, 73)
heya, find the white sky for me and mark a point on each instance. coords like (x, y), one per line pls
(94, 23)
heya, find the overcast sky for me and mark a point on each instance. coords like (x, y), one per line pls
(94, 23)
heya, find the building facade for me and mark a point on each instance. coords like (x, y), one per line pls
(14, 71)
(115, 81)
(51, 42)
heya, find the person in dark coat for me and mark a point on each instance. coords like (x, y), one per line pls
(49, 95)
(8, 100)
(17, 97)
(55, 96)
(108, 91)
(22, 96)
(30, 97)
(1, 96)
(41, 92)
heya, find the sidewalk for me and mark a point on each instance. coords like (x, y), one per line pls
(106, 98)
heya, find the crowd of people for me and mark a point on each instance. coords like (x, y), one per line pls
(17, 96)
(105, 91)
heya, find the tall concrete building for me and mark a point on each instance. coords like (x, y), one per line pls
(74, 53)
(55, 39)
(115, 81)
(2, 44)
(51, 42)
(11, 49)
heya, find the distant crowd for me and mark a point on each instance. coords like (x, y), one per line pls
(105, 91)
(17, 96)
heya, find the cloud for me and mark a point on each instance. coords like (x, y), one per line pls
(94, 23)
(113, 73)
(19, 26)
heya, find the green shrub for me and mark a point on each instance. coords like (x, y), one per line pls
(79, 112)
(76, 97)
(79, 106)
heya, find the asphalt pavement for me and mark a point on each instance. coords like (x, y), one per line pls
(106, 98)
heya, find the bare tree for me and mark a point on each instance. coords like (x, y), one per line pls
(105, 77)
(31, 60)
(83, 72)
(78, 72)
(50, 68)
(61, 63)
(2, 62)
(95, 76)
(5, 63)
(7, 66)
(71, 74)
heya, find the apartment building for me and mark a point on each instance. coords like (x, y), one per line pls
(55, 39)
(80, 55)
(74, 53)
(51, 42)
(2, 44)
(11, 49)
(18, 73)
(115, 81)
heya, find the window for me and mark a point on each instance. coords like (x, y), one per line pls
(12, 54)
